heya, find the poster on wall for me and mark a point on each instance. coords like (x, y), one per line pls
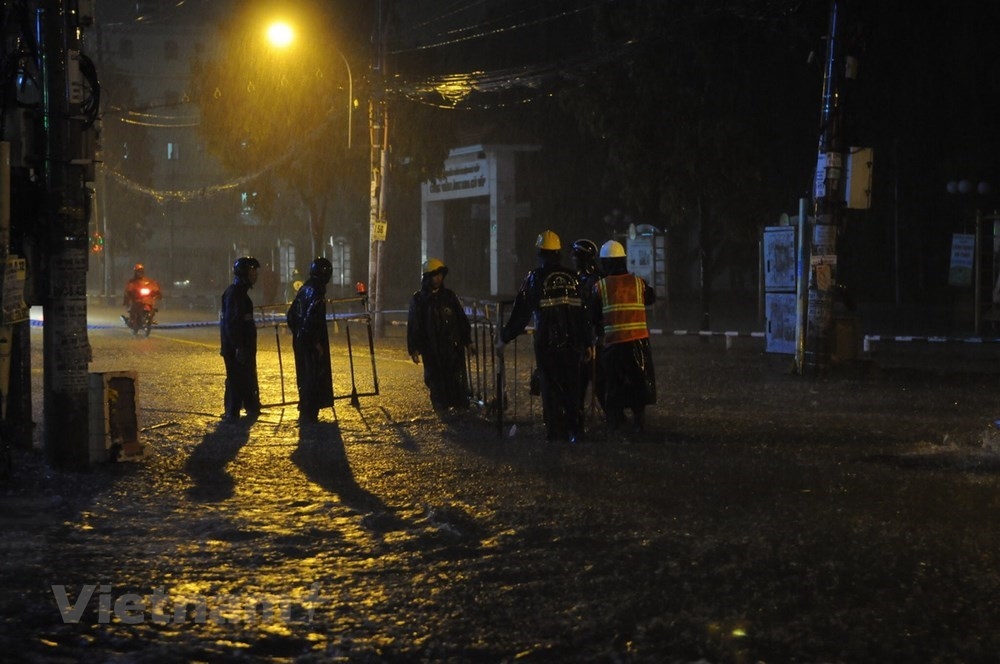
(639, 258)
(963, 252)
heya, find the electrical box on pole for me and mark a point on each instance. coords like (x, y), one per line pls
(859, 178)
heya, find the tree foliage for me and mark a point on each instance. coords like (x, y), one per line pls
(698, 128)
(281, 115)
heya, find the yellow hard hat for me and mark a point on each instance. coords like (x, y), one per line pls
(548, 241)
(612, 249)
(434, 265)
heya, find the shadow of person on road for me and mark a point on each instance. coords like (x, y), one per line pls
(321, 457)
(208, 461)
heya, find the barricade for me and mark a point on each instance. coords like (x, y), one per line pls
(510, 374)
(273, 316)
(499, 383)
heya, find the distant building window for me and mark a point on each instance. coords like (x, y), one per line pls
(171, 50)
(125, 49)
(173, 154)
(247, 201)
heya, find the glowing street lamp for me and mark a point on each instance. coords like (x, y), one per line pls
(280, 34)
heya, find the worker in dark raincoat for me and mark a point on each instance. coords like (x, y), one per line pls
(239, 342)
(618, 308)
(306, 319)
(438, 330)
(551, 295)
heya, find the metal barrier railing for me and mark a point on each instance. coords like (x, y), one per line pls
(273, 315)
(501, 390)
(499, 384)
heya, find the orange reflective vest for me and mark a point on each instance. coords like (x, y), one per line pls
(623, 307)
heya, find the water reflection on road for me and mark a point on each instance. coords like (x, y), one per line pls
(753, 523)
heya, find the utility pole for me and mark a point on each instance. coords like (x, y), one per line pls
(828, 201)
(378, 126)
(64, 294)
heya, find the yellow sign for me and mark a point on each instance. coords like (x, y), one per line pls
(378, 231)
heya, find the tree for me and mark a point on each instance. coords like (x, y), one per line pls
(699, 131)
(280, 115)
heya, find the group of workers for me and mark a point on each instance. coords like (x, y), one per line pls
(306, 318)
(589, 330)
(589, 327)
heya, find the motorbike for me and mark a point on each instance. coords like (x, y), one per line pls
(142, 312)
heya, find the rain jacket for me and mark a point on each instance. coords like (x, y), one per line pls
(618, 307)
(551, 295)
(438, 329)
(306, 319)
(238, 333)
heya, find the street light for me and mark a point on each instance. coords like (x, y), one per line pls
(281, 35)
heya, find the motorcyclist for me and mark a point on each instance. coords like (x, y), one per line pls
(140, 291)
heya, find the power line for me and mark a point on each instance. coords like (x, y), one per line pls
(456, 88)
(448, 12)
(508, 27)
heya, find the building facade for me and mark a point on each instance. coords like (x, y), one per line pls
(161, 199)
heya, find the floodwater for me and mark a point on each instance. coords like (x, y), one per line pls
(762, 517)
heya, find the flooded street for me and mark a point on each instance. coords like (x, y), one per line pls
(761, 517)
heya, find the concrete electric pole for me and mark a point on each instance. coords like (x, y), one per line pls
(378, 126)
(64, 295)
(828, 202)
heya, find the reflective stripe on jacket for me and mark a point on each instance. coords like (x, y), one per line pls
(623, 308)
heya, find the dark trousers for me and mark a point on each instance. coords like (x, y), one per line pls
(313, 377)
(242, 391)
(592, 371)
(559, 375)
(446, 378)
(630, 381)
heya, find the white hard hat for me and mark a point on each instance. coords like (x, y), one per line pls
(612, 249)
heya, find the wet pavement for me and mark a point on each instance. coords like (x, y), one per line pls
(761, 517)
